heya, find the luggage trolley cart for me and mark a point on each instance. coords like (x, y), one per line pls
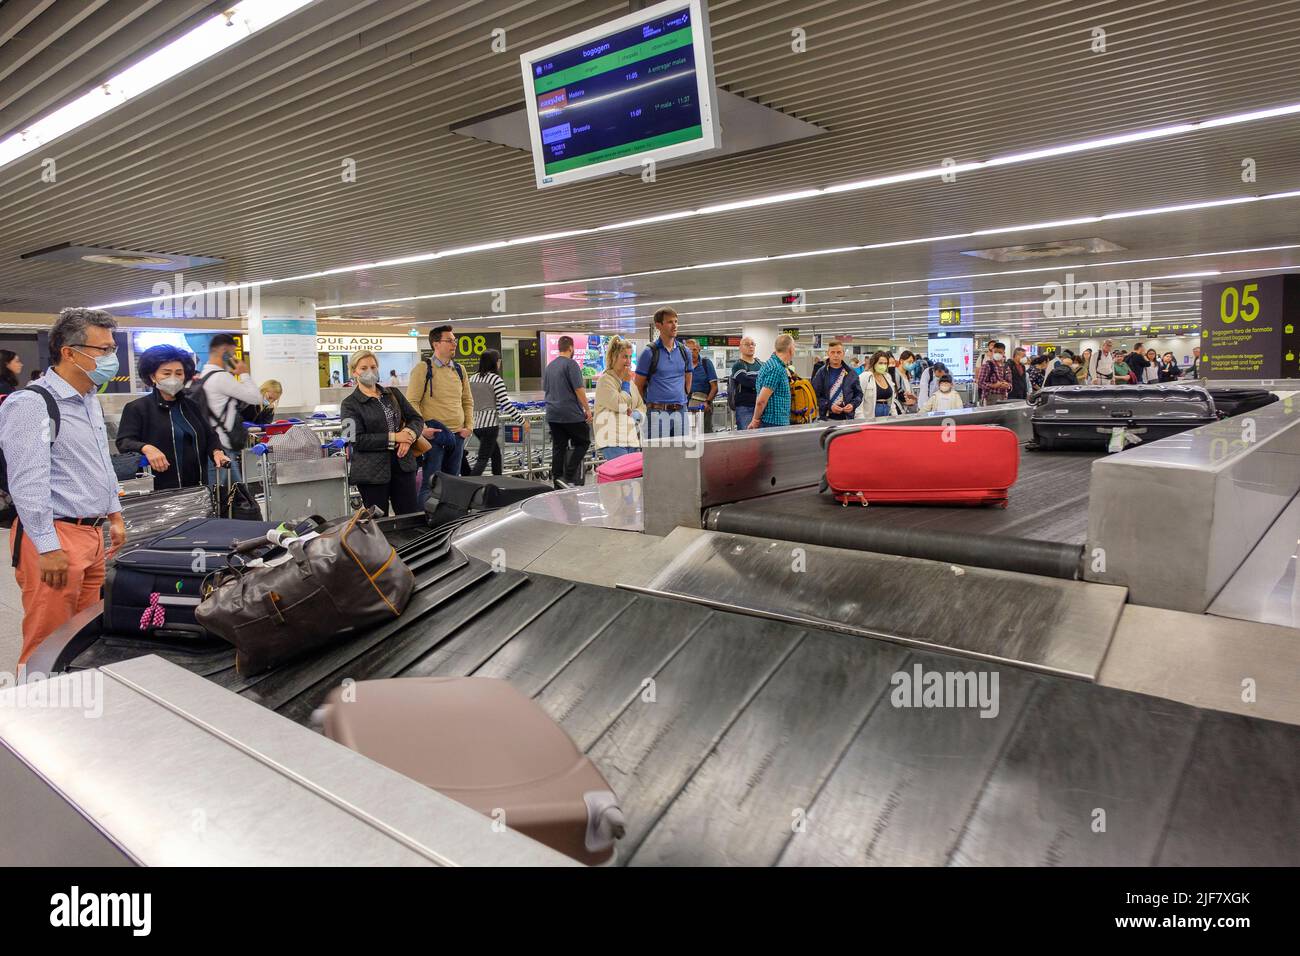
(301, 474)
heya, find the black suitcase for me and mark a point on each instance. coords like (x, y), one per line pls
(171, 565)
(1230, 401)
(1116, 417)
(147, 516)
(454, 496)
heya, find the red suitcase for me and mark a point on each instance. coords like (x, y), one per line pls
(922, 464)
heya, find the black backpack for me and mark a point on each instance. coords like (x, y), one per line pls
(52, 409)
(428, 378)
(244, 412)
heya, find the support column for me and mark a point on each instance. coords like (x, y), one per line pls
(282, 343)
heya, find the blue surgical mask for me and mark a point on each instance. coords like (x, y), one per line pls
(105, 368)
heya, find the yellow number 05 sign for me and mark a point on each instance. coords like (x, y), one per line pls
(1243, 304)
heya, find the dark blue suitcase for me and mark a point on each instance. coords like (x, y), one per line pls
(172, 565)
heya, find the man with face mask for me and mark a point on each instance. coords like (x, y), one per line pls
(60, 476)
(994, 380)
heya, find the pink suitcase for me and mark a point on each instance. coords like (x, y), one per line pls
(623, 467)
(487, 745)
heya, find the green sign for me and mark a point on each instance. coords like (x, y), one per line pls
(1249, 328)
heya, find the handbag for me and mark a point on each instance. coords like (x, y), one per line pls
(233, 499)
(319, 588)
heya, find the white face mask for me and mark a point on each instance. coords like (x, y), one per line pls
(945, 388)
(368, 378)
(170, 386)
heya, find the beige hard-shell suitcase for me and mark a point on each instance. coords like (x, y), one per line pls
(483, 743)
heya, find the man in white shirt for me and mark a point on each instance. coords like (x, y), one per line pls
(1103, 365)
(226, 383)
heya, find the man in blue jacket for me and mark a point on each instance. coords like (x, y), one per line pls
(839, 393)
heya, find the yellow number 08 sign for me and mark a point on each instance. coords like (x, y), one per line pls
(467, 345)
(1243, 304)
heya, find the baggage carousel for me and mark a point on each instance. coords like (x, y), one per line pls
(1041, 531)
(733, 740)
(881, 708)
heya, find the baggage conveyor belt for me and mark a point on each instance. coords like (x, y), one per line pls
(1041, 531)
(740, 741)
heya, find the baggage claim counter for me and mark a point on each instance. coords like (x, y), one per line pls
(750, 665)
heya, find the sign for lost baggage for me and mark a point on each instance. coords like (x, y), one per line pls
(1248, 328)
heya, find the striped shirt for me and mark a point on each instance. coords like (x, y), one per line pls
(73, 478)
(486, 416)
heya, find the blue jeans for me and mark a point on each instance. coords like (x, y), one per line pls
(436, 459)
(237, 475)
(667, 424)
(610, 452)
(882, 409)
(743, 417)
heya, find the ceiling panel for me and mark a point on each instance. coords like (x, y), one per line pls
(240, 157)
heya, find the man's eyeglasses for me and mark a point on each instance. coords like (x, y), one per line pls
(98, 349)
(447, 341)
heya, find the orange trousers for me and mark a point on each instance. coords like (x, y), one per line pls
(46, 609)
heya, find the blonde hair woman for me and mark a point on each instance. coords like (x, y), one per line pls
(272, 391)
(620, 407)
(383, 427)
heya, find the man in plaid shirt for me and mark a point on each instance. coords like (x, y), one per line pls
(994, 381)
(773, 405)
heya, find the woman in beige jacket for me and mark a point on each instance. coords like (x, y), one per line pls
(619, 405)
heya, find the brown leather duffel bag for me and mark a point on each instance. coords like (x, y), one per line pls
(344, 577)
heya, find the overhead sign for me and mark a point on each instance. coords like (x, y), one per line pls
(793, 333)
(1249, 328)
(351, 344)
(472, 345)
(635, 89)
(1130, 331)
(950, 316)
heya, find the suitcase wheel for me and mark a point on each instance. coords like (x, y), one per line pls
(1003, 503)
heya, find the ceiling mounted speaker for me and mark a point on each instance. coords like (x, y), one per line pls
(126, 258)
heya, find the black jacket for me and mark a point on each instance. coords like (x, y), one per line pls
(1019, 381)
(822, 381)
(372, 459)
(1170, 373)
(1060, 375)
(147, 421)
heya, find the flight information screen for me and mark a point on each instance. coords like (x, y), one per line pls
(619, 96)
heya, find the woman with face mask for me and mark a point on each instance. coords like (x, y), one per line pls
(167, 426)
(382, 428)
(881, 388)
(272, 391)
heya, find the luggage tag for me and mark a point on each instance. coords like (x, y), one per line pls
(285, 556)
(1121, 436)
